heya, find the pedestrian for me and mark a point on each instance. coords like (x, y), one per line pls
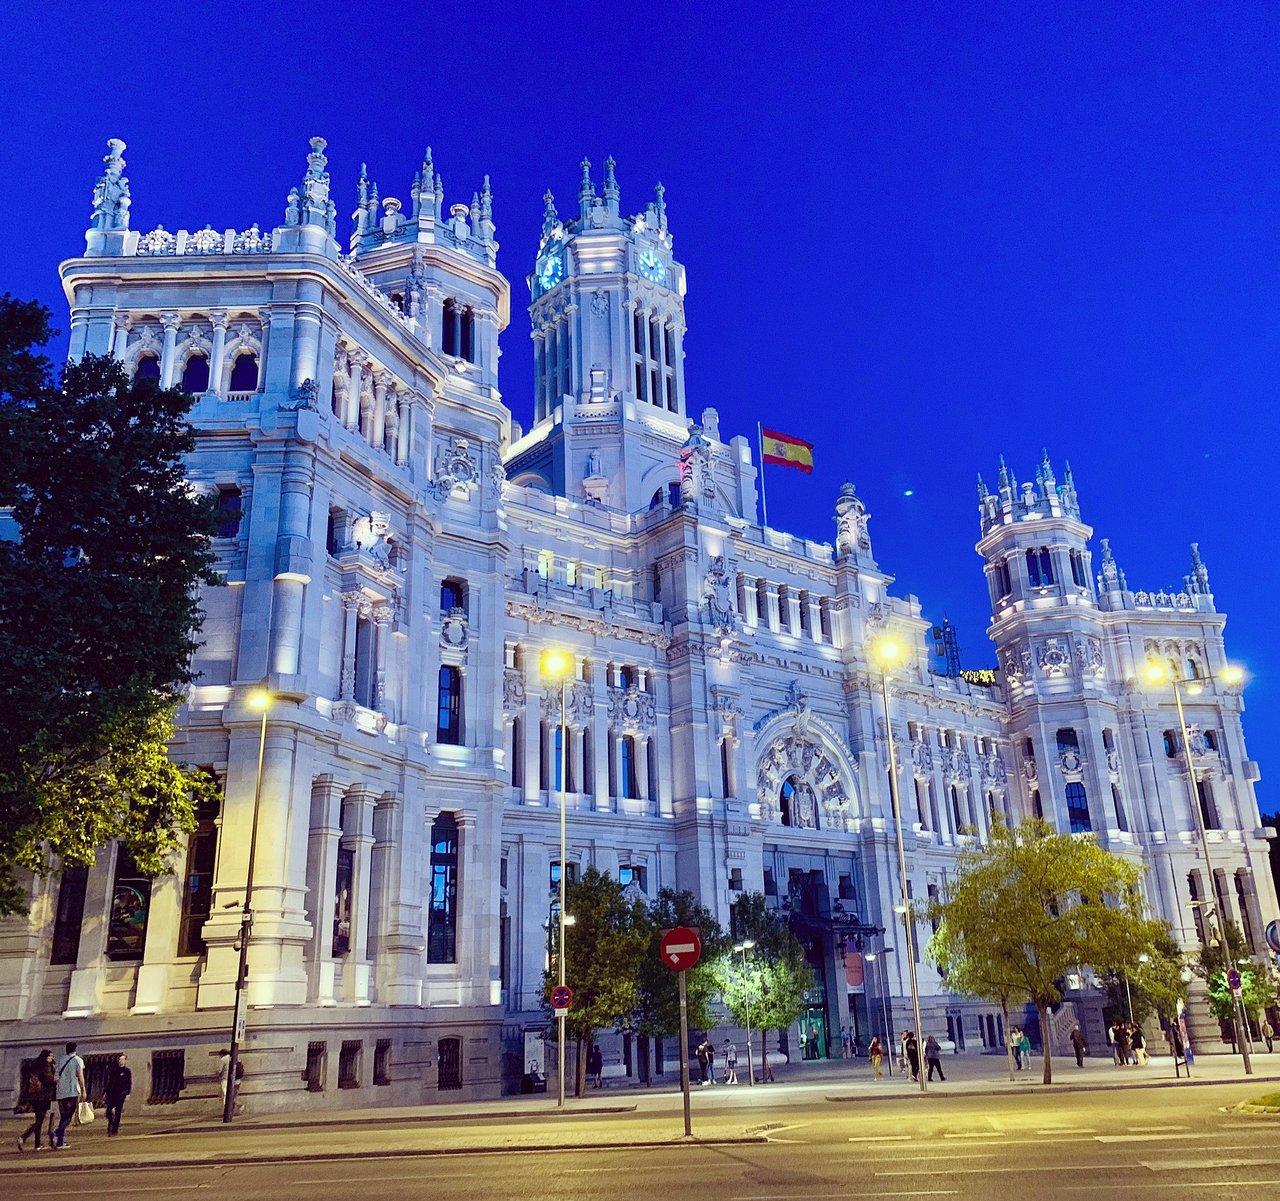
(730, 1062)
(595, 1066)
(902, 1052)
(1113, 1040)
(39, 1089)
(912, 1047)
(224, 1078)
(702, 1060)
(876, 1053)
(1139, 1041)
(1015, 1045)
(1268, 1035)
(811, 1043)
(933, 1057)
(1024, 1046)
(119, 1086)
(711, 1061)
(1077, 1044)
(1123, 1046)
(69, 1090)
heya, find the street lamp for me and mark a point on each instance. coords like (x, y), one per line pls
(555, 665)
(742, 948)
(259, 699)
(887, 652)
(1157, 673)
(883, 956)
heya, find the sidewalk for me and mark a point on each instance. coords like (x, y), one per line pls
(632, 1117)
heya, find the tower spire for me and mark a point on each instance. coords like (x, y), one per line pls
(586, 191)
(361, 215)
(612, 196)
(550, 218)
(1199, 577)
(111, 191)
(660, 205)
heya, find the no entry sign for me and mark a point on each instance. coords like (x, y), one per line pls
(680, 948)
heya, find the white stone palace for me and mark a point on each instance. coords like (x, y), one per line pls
(396, 551)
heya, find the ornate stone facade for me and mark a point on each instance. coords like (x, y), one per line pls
(398, 553)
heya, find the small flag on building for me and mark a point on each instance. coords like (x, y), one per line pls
(782, 450)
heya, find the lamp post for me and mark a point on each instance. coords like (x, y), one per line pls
(742, 948)
(882, 955)
(1158, 672)
(889, 652)
(555, 666)
(259, 699)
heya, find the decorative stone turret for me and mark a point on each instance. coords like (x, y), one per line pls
(852, 539)
(1045, 498)
(111, 200)
(311, 217)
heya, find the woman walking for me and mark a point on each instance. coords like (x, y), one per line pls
(39, 1089)
(876, 1052)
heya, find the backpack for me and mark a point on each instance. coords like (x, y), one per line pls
(35, 1086)
(239, 1070)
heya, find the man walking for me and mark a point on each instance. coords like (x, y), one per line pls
(70, 1091)
(730, 1062)
(119, 1086)
(1015, 1045)
(933, 1057)
(913, 1054)
(702, 1060)
(1077, 1044)
(1268, 1035)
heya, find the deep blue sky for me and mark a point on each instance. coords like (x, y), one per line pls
(919, 238)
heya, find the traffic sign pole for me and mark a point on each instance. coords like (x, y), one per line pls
(684, 1056)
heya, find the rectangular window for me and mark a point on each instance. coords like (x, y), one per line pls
(315, 1072)
(197, 890)
(349, 1063)
(130, 909)
(382, 1061)
(229, 511)
(168, 1076)
(1078, 808)
(449, 1064)
(449, 713)
(342, 885)
(555, 873)
(364, 664)
(1208, 810)
(844, 888)
(70, 913)
(634, 873)
(770, 883)
(442, 919)
(1068, 740)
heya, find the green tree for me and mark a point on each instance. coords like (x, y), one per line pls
(1030, 906)
(658, 1005)
(769, 989)
(606, 945)
(99, 610)
(1154, 980)
(1214, 961)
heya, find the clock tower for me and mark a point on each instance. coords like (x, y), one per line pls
(608, 332)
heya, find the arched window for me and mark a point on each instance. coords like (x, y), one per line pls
(442, 915)
(453, 595)
(1004, 581)
(229, 511)
(195, 375)
(1068, 740)
(468, 350)
(546, 562)
(148, 368)
(517, 753)
(1078, 808)
(786, 802)
(244, 373)
(1193, 670)
(627, 677)
(449, 709)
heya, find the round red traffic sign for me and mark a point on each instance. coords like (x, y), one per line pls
(680, 949)
(561, 997)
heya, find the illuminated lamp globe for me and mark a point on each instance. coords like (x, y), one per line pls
(259, 699)
(1155, 672)
(1233, 675)
(555, 664)
(888, 652)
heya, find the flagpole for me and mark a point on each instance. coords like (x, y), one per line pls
(764, 500)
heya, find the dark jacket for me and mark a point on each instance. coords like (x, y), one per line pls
(41, 1083)
(119, 1083)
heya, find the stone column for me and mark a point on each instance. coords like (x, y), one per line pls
(350, 611)
(322, 870)
(89, 974)
(404, 403)
(382, 615)
(772, 616)
(815, 618)
(219, 319)
(168, 356)
(434, 318)
(391, 423)
(120, 345)
(351, 417)
(678, 339)
(377, 425)
(292, 563)
(357, 837)
(641, 744)
(163, 919)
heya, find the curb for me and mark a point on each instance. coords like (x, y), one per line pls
(219, 1160)
(1250, 1107)
(321, 1123)
(1044, 1090)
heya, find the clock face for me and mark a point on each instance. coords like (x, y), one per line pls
(551, 272)
(652, 267)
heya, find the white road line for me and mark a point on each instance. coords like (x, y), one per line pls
(1156, 1129)
(125, 1192)
(978, 1134)
(1198, 1165)
(846, 1196)
(1152, 1138)
(881, 1138)
(1068, 1130)
(1007, 1169)
(1220, 1185)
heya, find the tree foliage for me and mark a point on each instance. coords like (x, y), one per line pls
(1214, 961)
(1155, 984)
(99, 613)
(658, 1005)
(1031, 906)
(769, 989)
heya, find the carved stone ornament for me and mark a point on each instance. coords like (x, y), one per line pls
(158, 242)
(631, 710)
(851, 523)
(1070, 762)
(697, 482)
(1015, 662)
(304, 399)
(921, 759)
(453, 629)
(1030, 770)
(818, 799)
(600, 303)
(993, 769)
(513, 693)
(1089, 657)
(455, 466)
(1053, 658)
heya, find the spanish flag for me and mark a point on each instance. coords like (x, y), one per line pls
(782, 450)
